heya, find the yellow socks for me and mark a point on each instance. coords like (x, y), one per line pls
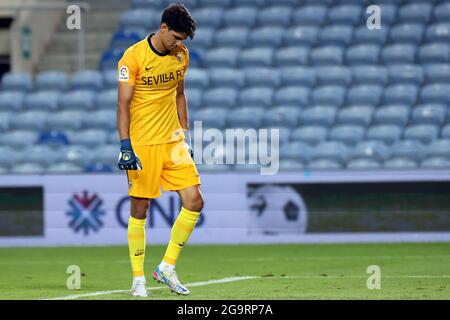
(136, 244)
(180, 234)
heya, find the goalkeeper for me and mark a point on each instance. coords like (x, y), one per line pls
(153, 125)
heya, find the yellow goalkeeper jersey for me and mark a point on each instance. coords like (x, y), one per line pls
(155, 77)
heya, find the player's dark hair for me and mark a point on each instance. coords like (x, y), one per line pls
(178, 18)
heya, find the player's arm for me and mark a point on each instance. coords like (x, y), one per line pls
(183, 114)
(127, 158)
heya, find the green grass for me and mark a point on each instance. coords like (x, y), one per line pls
(408, 271)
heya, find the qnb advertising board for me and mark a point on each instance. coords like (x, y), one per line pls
(295, 207)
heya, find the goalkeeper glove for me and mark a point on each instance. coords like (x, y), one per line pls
(128, 160)
(187, 141)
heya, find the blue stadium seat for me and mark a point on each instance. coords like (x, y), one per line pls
(422, 132)
(435, 163)
(334, 75)
(27, 168)
(197, 78)
(287, 165)
(348, 134)
(241, 16)
(79, 155)
(310, 134)
(366, 94)
(203, 37)
(439, 148)
(325, 164)
(436, 93)
(237, 37)
(331, 150)
(408, 149)
(18, 139)
(5, 118)
(194, 97)
(336, 35)
(393, 114)
(126, 38)
(442, 12)
(53, 138)
(87, 80)
(101, 119)
(327, 55)
(110, 59)
(437, 72)
(400, 163)
(406, 73)
(434, 53)
(77, 100)
(356, 115)
(259, 56)
(290, 3)
(89, 137)
(266, 36)
(415, 12)
(345, 14)
(262, 76)
(70, 119)
(282, 115)
(429, 114)
(371, 149)
(363, 164)
(363, 35)
(284, 133)
(246, 117)
(110, 78)
(292, 56)
(52, 80)
(212, 117)
(16, 82)
(99, 168)
(197, 56)
(302, 76)
(331, 95)
(399, 53)
(292, 95)
(63, 168)
(401, 94)
(313, 15)
(256, 96)
(322, 116)
(411, 33)
(208, 16)
(277, 15)
(222, 57)
(438, 32)
(222, 97)
(107, 154)
(106, 99)
(8, 156)
(387, 133)
(30, 120)
(388, 11)
(363, 54)
(226, 77)
(11, 100)
(370, 74)
(140, 18)
(218, 3)
(42, 100)
(41, 154)
(151, 3)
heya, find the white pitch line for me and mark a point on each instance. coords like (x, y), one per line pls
(193, 284)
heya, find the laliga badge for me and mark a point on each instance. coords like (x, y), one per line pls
(179, 57)
(124, 73)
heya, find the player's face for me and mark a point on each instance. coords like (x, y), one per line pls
(171, 38)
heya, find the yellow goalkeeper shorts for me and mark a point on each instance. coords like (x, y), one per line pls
(167, 165)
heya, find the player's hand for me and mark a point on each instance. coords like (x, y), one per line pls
(128, 160)
(187, 142)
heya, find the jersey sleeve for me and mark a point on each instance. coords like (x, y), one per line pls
(186, 64)
(128, 69)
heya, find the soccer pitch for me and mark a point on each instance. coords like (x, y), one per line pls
(338, 271)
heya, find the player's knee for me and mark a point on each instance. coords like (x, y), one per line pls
(139, 208)
(195, 203)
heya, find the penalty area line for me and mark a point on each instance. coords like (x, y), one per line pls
(193, 284)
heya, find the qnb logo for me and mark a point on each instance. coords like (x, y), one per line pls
(85, 212)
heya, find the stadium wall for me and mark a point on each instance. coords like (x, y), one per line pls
(303, 207)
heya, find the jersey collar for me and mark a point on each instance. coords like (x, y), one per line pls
(154, 49)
